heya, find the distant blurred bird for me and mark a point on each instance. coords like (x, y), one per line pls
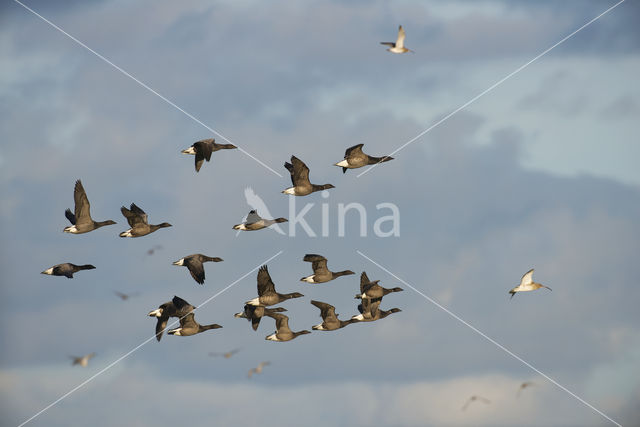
(82, 360)
(283, 332)
(80, 219)
(354, 158)
(300, 179)
(256, 222)
(66, 269)
(267, 294)
(523, 386)
(473, 399)
(369, 289)
(194, 264)
(258, 369)
(527, 284)
(321, 273)
(398, 46)
(124, 296)
(177, 307)
(137, 219)
(226, 355)
(203, 150)
(152, 250)
(189, 326)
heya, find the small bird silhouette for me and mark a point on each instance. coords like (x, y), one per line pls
(124, 296)
(152, 250)
(226, 355)
(523, 386)
(82, 360)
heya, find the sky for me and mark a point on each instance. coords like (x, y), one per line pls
(539, 172)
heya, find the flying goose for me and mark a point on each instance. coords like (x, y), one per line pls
(66, 269)
(256, 222)
(194, 264)
(257, 369)
(203, 149)
(189, 326)
(369, 289)
(254, 313)
(321, 273)
(527, 284)
(354, 158)
(330, 321)
(137, 219)
(398, 46)
(81, 221)
(473, 399)
(283, 333)
(226, 355)
(370, 310)
(523, 386)
(267, 294)
(300, 179)
(177, 307)
(82, 360)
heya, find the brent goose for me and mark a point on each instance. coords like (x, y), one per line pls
(66, 269)
(354, 158)
(523, 386)
(527, 284)
(137, 219)
(226, 355)
(254, 313)
(81, 221)
(321, 273)
(473, 399)
(82, 360)
(256, 222)
(257, 369)
(370, 310)
(267, 294)
(300, 179)
(194, 264)
(398, 46)
(369, 289)
(177, 307)
(189, 326)
(283, 333)
(330, 321)
(203, 149)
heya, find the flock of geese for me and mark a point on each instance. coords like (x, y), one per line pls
(371, 292)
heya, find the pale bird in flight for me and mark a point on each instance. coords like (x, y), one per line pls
(82, 360)
(398, 46)
(527, 284)
(475, 398)
(257, 369)
(226, 355)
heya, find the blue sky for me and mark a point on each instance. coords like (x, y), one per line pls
(538, 173)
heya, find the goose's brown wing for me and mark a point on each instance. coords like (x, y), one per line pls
(327, 311)
(196, 269)
(364, 281)
(265, 284)
(356, 149)
(300, 172)
(134, 215)
(82, 207)
(203, 149)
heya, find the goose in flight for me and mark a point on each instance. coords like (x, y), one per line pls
(137, 219)
(194, 264)
(255, 313)
(226, 355)
(398, 46)
(189, 326)
(354, 158)
(321, 273)
(66, 269)
(527, 284)
(80, 219)
(256, 222)
(475, 398)
(258, 369)
(369, 289)
(370, 310)
(300, 179)
(283, 332)
(330, 321)
(82, 360)
(177, 307)
(203, 150)
(267, 294)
